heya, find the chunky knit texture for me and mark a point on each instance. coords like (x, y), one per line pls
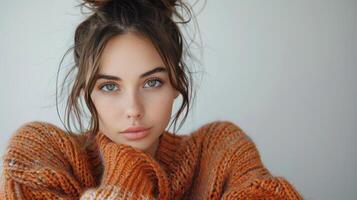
(217, 161)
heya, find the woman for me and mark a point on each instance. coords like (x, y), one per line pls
(128, 57)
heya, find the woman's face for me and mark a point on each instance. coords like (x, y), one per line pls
(133, 89)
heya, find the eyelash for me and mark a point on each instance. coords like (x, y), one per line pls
(113, 83)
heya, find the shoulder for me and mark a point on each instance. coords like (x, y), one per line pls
(221, 131)
(41, 133)
(41, 127)
(215, 134)
(226, 141)
(38, 128)
(38, 143)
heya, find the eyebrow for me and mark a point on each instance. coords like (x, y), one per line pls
(148, 73)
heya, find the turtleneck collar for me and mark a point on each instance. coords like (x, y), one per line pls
(168, 145)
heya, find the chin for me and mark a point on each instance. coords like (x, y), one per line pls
(138, 146)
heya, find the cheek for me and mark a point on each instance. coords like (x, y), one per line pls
(160, 105)
(104, 105)
(107, 112)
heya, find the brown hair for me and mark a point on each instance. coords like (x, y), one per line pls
(152, 19)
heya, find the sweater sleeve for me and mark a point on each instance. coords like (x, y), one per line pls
(43, 162)
(128, 174)
(248, 178)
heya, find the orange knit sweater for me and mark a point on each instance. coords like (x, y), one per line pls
(217, 161)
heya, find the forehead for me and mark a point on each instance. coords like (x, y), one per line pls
(129, 52)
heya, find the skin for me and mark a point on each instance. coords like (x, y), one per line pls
(133, 100)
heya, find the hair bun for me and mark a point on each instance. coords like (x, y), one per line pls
(96, 3)
(168, 6)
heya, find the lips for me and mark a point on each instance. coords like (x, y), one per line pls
(135, 133)
(135, 129)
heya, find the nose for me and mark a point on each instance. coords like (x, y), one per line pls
(134, 110)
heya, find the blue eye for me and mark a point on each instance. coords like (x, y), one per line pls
(153, 82)
(109, 87)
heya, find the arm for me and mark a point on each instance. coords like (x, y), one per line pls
(249, 179)
(128, 174)
(38, 163)
(43, 162)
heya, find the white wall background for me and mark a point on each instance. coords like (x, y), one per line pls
(284, 71)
